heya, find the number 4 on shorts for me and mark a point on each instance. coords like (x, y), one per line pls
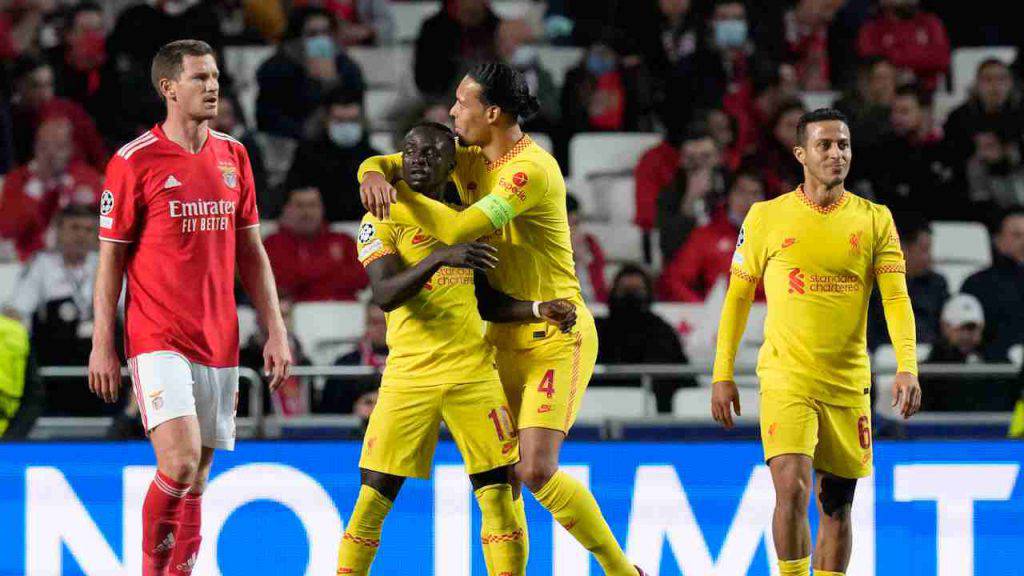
(547, 384)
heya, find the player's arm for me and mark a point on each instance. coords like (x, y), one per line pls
(890, 275)
(496, 306)
(747, 267)
(104, 365)
(376, 175)
(392, 283)
(258, 280)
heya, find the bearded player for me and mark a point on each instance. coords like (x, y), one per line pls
(177, 214)
(517, 199)
(819, 250)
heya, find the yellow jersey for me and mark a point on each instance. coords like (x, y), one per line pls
(437, 334)
(819, 267)
(523, 196)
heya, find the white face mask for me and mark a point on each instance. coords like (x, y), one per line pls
(345, 134)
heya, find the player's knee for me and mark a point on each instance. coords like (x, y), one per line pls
(536, 473)
(181, 465)
(793, 494)
(836, 496)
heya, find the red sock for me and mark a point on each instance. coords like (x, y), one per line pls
(186, 549)
(160, 513)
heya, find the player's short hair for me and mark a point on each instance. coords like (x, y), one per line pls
(814, 116)
(169, 60)
(505, 87)
(437, 128)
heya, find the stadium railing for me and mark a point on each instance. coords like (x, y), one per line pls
(646, 425)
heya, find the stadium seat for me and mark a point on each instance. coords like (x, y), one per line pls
(614, 154)
(965, 63)
(884, 358)
(278, 153)
(241, 62)
(543, 140)
(379, 106)
(601, 402)
(383, 66)
(268, 227)
(324, 327)
(621, 242)
(247, 323)
(383, 141)
(558, 60)
(1016, 354)
(961, 243)
(942, 104)
(9, 274)
(612, 198)
(695, 403)
(815, 100)
(350, 228)
(955, 274)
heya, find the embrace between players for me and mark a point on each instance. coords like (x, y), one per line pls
(510, 396)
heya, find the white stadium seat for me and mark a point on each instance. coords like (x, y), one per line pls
(608, 153)
(961, 242)
(351, 228)
(383, 66)
(241, 62)
(815, 100)
(942, 104)
(965, 63)
(884, 358)
(9, 274)
(324, 327)
(379, 106)
(612, 198)
(558, 60)
(383, 141)
(955, 274)
(268, 227)
(247, 323)
(543, 140)
(695, 403)
(602, 402)
(621, 242)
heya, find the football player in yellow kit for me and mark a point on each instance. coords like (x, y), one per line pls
(439, 368)
(819, 251)
(517, 204)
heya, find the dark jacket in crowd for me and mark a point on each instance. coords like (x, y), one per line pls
(445, 50)
(928, 293)
(961, 394)
(332, 169)
(999, 289)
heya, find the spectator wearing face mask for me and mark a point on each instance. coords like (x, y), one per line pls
(361, 22)
(633, 334)
(52, 180)
(608, 91)
(706, 256)
(995, 173)
(307, 66)
(915, 41)
(311, 263)
(327, 160)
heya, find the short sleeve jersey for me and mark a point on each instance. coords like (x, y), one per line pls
(438, 334)
(819, 267)
(180, 213)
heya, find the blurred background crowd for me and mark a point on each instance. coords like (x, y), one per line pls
(670, 119)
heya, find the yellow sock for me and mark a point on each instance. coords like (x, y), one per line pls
(520, 508)
(574, 507)
(501, 535)
(801, 567)
(827, 573)
(362, 536)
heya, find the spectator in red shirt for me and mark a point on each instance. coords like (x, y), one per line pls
(913, 40)
(310, 262)
(77, 61)
(51, 181)
(34, 102)
(587, 254)
(707, 254)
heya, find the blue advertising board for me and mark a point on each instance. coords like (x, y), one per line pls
(932, 508)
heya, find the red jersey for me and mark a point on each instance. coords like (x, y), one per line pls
(181, 212)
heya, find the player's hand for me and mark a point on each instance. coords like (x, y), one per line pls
(906, 394)
(104, 373)
(724, 398)
(561, 313)
(277, 359)
(377, 195)
(475, 255)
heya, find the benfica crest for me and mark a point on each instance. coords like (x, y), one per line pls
(230, 175)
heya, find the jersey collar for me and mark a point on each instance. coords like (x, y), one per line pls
(821, 209)
(516, 150)
(158, 131)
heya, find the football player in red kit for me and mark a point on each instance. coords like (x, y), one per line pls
(178, 210)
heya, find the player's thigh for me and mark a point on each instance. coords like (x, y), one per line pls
(481, 423)
(163, 387)
(402, 433)
(555, 375)
(216, 393)
(789, 424)
(845, 443)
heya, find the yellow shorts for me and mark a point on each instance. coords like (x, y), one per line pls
(837, 438)
(545, 383)
(404, 427)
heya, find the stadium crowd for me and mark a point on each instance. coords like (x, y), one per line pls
(723, 81)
